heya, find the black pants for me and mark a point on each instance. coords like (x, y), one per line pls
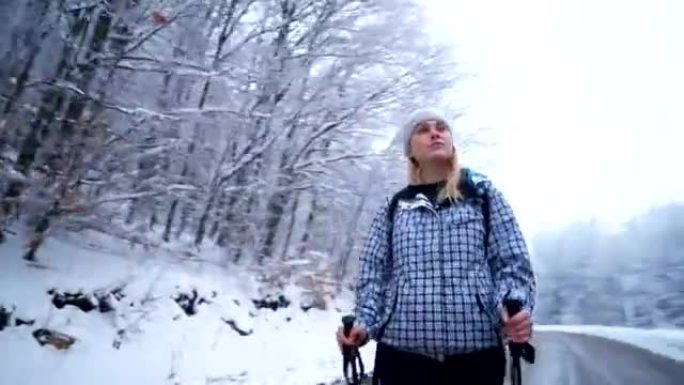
(394, 367)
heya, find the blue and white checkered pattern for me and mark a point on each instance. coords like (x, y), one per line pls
(448, 294)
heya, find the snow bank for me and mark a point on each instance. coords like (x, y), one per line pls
(227, 341)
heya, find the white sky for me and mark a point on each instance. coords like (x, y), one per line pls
(586, 97)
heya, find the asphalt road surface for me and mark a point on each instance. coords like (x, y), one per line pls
(576, 359)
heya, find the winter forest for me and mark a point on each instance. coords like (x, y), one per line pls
(245, 124)
(258, 130)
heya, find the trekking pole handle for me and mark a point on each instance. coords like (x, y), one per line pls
(513, 306)
(347, 324)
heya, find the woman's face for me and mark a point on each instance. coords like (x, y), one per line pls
(431, 141)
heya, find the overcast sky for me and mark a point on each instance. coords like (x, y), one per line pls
(586, 97)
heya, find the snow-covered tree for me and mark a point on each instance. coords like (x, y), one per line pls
(247, 124)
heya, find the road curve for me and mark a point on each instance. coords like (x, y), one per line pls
(577, 359)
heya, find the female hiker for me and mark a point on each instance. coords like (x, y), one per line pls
(440, 259)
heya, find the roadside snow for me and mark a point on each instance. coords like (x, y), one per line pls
(162, 345)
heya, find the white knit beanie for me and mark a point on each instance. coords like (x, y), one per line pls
(414, 120)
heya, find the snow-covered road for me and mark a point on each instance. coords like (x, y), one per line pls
(576, 359)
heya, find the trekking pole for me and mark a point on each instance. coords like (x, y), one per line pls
(350, 355)
(518, 350)
(512, 308)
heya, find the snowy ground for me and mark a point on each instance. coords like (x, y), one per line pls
(162, 344)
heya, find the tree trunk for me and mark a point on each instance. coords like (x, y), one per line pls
(25, 40)
(304, 241)
(290, 227)
(350, 235)
(202, 224)
(275, 211)
(169, 220)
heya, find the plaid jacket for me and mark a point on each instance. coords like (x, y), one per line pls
(444, 292)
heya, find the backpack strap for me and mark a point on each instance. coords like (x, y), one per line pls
(472, 186)
(393, 203)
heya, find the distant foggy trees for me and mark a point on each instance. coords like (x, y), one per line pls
(634, 277)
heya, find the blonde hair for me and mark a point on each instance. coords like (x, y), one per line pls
(450, 190)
